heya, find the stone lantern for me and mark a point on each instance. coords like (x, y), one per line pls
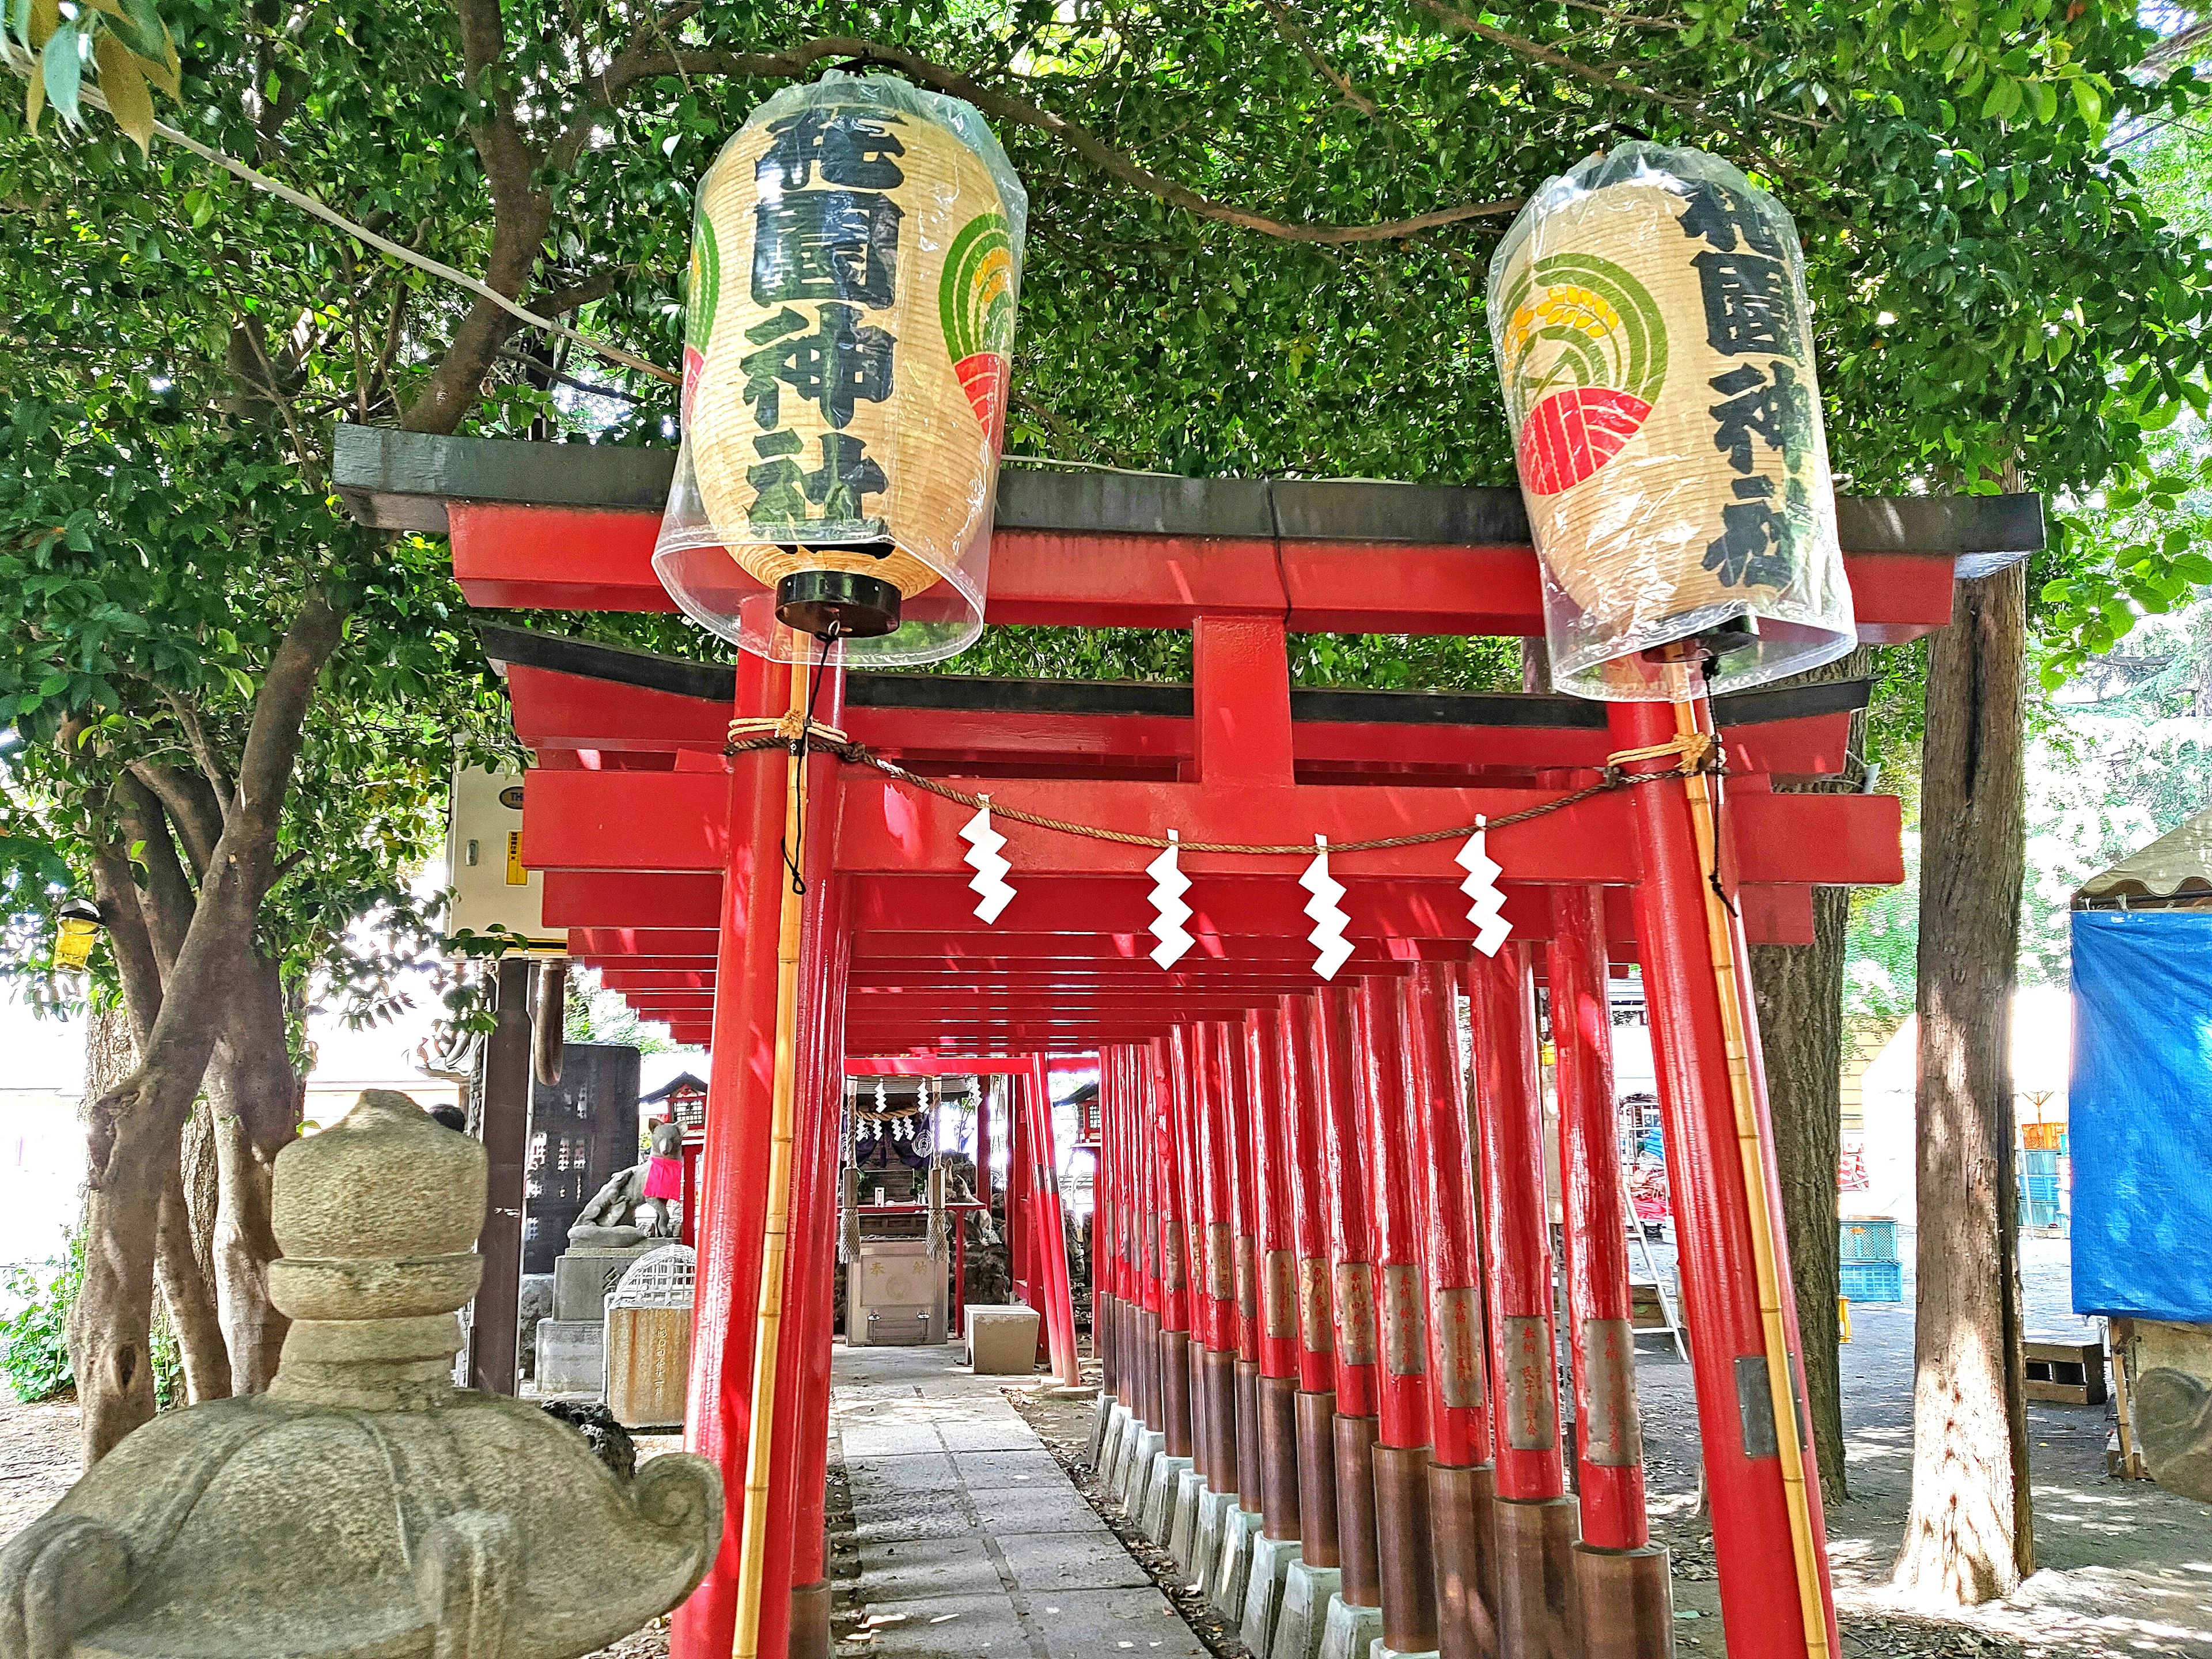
(363, 1506)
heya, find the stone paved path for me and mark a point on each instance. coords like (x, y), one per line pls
(967, 1536)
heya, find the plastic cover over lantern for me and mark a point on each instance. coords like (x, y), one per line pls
(856, 259)
(1655, 348)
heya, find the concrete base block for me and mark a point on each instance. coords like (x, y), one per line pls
(1232, 1571)
(1156, 1520)
(1099, 1419)
(1350, 1633)
(1145, 1448)
(1117, 1443)
(1380, 1652)
(1302, 1617)
(572, 1356)
(1183, 1522)
(1214, 1508)
(1263, 1589)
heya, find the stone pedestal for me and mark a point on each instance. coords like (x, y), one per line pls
(1232, 1570)
(1214, 1508)
(1384, 1650)
(1145, 1446)
(1100, 1418)
(572, 1356)
(1158, 1521)
(584, 1274)
(1002, 1339)
(1117, 1447)
(1303, 1618)
(1263, 1589)
(1350, 1633)
(1182, 1521)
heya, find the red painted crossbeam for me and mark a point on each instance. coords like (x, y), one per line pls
(564, 558)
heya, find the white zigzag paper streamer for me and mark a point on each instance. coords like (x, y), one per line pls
(1169, 886)
(982, 853)
(1329, 921)
(1481, 885)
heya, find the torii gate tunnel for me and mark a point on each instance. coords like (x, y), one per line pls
(1322, 1251)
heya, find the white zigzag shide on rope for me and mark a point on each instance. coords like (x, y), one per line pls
(1169, 886)
(982, 853)
(1481, 885)
(1329, 921)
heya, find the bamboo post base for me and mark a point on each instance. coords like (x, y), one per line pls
(1278, 1456)
(1355, 1512)
(1317, 1414)
(1535, 1578)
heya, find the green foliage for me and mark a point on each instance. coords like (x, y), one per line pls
(34, 1343)
(123, 44)
(595, 1014)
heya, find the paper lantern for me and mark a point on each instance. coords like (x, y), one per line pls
(855, 265)
(1654, 349)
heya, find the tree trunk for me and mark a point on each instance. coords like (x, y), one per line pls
(258, 1098)
(187, 1294)
(133, 1129)
(1969, 1537)
(1800, 992)
(1799, 989)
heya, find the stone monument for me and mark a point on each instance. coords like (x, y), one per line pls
(364, 1505)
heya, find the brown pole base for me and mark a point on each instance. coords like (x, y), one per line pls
(1404, 1548)
(1535, 1578)
(1104, 1318)
(1626, 1599)
(1278, 1456)
(1355, 1511)
(1248, 1435)
(1317, 1479)
(1460, 1514)
(810, 1621)
(1125, 1352)
(1151, 1401)
(1175, 1391)
(1220, 1370)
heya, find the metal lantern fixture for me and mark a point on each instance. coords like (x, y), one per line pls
(855, 266)
(77, 925)
(1655, 348)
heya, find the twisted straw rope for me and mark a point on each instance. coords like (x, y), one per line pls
(1694, 752)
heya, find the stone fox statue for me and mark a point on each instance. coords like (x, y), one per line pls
(653, 1182)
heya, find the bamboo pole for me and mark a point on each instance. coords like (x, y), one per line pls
(768, 1319)
(1728, 985)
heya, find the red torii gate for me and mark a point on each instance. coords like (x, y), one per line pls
(653, 842)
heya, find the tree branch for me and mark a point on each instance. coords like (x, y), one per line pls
(280, 711)
(191, 804)
(1292, 32)
(639, 64)
(211, 766)
(168, 900)
(493, 127)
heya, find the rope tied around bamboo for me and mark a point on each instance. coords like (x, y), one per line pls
(1694, 753)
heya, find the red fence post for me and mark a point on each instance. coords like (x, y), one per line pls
(1245, 1202)
(1278, 1274)
(1404, 1548)
(1352, 1250)
(1049, 1248)
(1765, 1601)
(1461, 1478)
(1304, 1152)
(1535, 1521)
(732, 1197)
(1174, 1286)
(1219, 1368)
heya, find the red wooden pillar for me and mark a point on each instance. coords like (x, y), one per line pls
(1461, 1478)
(1019, 1187)
(1622, 1588)
(1277, 1268)
(1345, 1190)
(1106, 1240)
(1166, 1150)
(1404, 1548)
(1219, 1366)
(1048, 1246)
(1184, 1087)
(1146, 1339)
(1535, 1521)
(1304, 1152)
(1769, 1611)
(1243, 1198)
(733, 1199)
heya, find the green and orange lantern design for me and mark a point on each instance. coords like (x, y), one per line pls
(855, 269)
(1584, 357)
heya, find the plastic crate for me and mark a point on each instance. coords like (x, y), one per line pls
(1873, 1281)
(1869, 1238)
(2038, 1162)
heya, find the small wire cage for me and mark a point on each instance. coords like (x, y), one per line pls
(659, 1278)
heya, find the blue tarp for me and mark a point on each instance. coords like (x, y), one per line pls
(2140, 1114)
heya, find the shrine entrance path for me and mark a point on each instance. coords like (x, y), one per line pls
(967, 1536)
